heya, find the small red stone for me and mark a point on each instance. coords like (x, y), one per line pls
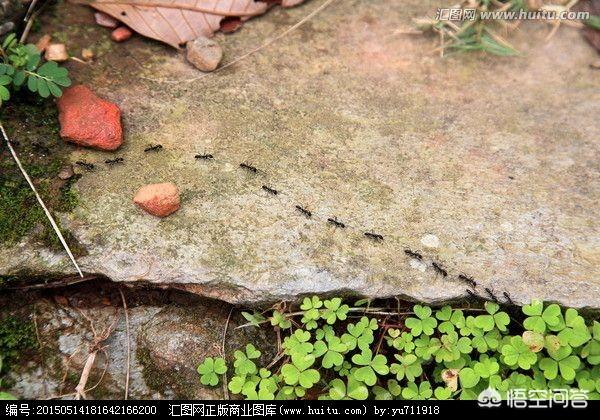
(87, 120)
(121, 34)
(158, 199)
(230, 25)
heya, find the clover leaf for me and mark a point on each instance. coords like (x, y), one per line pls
(493, 319)
(360, 334)
(441, 393)
(311, 306)
(576, 332)
(560, 361)
(517, 353)
(413, 392)
(334, 310)
(426, 347)
(486, 366)
(409, 367)
(332, 350)
(591, 351)
(209, 370)
(393, 390)
(278, 319)
(299, 372)
(539, 319)
(355, 390)
(298, 343)
(468, 377)
(452, 347)
(370, 366)
(424, 323)
(400, 341)
(243, 363)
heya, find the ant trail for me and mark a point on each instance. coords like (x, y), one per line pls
(491, 294)
(335, 222)
(204, 157)
(114, 161)
(40, 201)
(86, 165)
(374, 236)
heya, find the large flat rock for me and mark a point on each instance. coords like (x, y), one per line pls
(486, 165)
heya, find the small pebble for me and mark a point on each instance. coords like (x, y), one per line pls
(596, 65)
(43, 43)
(430, 241)
(56, 52)
(121, 34)
(205, 54)
(87, 54)
(105, 20)
(66, 172)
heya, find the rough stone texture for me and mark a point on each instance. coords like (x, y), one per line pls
(56, 52)
(496, 157)
(167, 343)
(204, 53)
(87, 120)
(158, 199)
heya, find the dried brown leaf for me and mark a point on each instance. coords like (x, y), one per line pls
(177, 21)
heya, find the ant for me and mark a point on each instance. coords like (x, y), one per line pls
(270, 190)
(153, 148)
(334, 221)
(413, 254)
(248, 167)
(86, 165)
(507, 296)
(471, 294)
(305, 212)
(439, 269)
(375, 236)
(469, 280)
(491, 294)
(114, 161)
(204, 157)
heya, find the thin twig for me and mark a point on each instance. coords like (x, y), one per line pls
(128, 343)
(39, 199)
(225, 389)
(69, 281)
(253, 51)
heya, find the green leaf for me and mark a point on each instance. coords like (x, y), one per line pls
(4, 94)
(468, 377)
(32, 83)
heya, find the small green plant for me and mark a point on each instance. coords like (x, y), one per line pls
(331, 350)
(22, 65)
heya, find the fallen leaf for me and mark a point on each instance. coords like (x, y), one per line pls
(175, 22)
(450, 377)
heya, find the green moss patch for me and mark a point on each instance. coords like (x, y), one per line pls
(33, 128)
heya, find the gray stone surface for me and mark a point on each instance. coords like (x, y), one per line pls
(166, 345)
(486, 165)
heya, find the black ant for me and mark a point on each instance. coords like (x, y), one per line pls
(334, 221)
(439, 269)
(248, 167)
(471, 294)
(374, 236)
(270, 190)
(204, 157)
(491, 294)
(86, 165)
(153, 148)
(305, 212)
(507, 296)
(469, 280)
(413, 254)
(114, 161)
